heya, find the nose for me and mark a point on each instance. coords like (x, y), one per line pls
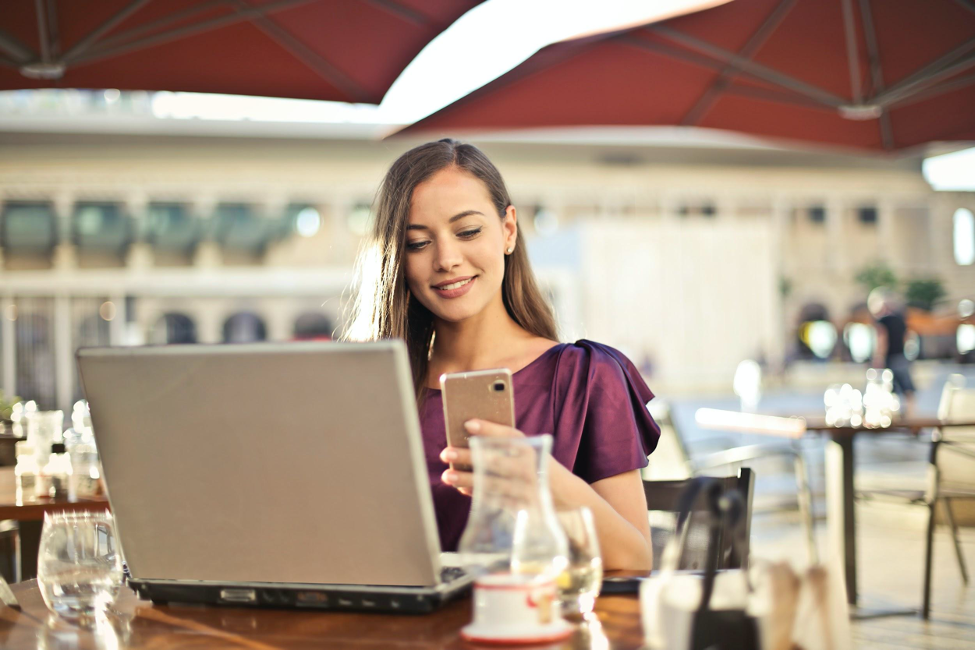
(447, 257)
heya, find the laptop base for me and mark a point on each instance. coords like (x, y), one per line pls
(399, 600)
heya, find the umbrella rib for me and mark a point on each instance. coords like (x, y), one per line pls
(671, 52)
(875, 68)
(848, 14)
(746, 66)
(399, 10)
(933, 91)
(87, 41)
(905, 90)
(54, 35)
(41, 12)
(927, 70)
(128, 35)
(309, 57)
(774, 96)
(179, 32)
(15, 48)
(759, 37)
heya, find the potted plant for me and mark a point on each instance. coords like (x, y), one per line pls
(6, 412)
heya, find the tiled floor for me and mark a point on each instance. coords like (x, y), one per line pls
(891, 543)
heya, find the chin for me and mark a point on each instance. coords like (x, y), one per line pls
(451, 313)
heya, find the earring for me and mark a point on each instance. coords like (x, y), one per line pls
(508, 251)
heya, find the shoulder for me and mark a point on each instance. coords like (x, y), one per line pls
(600, 367)
(597, 357)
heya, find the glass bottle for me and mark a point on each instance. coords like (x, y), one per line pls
(52, 481)
(512, 526)
(25, 471)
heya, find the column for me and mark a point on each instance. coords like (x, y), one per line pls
(208, 254)
(725, 205)
(64, 365)
(65, 255)
(117, 326)
(939, 215)
(780, 213)
(209, 318)
(9, 344)
(139, 257)
(835, 226)
(887, 243)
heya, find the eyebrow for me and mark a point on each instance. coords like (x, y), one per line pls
(460, 215)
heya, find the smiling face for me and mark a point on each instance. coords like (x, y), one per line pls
(456, 242)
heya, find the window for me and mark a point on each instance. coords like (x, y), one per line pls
(816, 213)
(174, 328)
(868, 215)
(35, 379)
(28, 228)
(244, 327)
(963, 237)
(102, 226)
(312, 326)
(171, 227)
(302, 219)
(239, 228)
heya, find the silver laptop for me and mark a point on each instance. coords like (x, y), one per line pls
(274, 474)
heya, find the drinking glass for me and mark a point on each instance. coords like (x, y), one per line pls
(79, 568)
(580, 583)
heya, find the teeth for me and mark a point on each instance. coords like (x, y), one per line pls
(455, 285)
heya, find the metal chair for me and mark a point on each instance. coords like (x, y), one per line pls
(663, 496)
(951, 473)
(673, 452)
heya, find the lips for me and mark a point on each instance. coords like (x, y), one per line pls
(455, 288)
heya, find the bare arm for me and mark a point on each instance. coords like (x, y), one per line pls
(620, 515)
(617, 503)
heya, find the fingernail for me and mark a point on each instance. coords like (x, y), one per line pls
(448, 455)
(473, 426)
(449, 477)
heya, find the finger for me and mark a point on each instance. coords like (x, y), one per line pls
(457, 479)
(485, 428)
(456, 456)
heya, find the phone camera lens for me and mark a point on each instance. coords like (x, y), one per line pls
(498, 386)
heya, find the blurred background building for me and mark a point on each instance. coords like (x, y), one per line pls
(118, 227)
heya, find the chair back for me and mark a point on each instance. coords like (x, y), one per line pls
(954, 451)
(663, 496)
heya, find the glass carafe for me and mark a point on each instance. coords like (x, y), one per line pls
(512, 526)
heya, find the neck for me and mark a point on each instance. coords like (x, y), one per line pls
(477, 342)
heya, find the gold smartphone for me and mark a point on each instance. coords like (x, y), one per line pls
(482, 394)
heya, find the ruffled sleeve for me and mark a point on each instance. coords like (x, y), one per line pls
(602, 424)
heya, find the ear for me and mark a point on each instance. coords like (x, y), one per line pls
(510, 232)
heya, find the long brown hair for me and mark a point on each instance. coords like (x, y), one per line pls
(382, 308)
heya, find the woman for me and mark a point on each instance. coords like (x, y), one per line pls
(447, 273)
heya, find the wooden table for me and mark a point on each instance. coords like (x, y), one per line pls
(30, 515)
(140, 624)
(839, 486)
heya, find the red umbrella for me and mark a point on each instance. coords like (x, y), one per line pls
(342, 50)
(869, 74)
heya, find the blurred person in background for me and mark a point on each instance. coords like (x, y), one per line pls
(890, 343)
(451, 277)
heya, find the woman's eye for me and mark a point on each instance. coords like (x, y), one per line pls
(416, 245)
(468, 234)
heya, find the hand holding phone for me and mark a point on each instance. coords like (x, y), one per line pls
(482, 394)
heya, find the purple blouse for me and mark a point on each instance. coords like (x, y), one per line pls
(589, 396)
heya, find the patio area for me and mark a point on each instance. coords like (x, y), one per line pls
(890, 560)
